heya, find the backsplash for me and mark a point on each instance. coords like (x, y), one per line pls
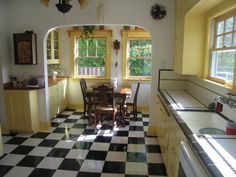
(55, 69)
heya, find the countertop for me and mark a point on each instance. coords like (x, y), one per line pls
(51, 82)
(180, 101)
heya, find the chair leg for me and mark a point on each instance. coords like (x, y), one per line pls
(85, 109)
(135, 111)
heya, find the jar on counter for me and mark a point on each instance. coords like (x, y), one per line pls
(231, 128)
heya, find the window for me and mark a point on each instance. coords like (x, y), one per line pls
(137, 54)
(223, 52)
(91, 56)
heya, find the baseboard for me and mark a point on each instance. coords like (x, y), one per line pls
(79, 106)
(44, 126)
(5, 129)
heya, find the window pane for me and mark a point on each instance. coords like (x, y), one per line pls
(91, 60)
(144, 52)
(223, 64)
(228, 40)
(82, 52)
(101, 52)
(92, 43)
(133, 52)
(229, 24)
(82, 43)
(91, 66)
(234, 22)
(219, 42)
(234, 39)
(91, 52)
(101, 43)
(139, 67)
(220, 27)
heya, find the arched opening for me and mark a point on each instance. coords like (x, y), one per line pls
(127, 56)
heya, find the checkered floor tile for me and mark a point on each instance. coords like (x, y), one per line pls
(73, 148)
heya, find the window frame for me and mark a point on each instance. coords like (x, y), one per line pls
(107, 34)
(212, 32)
(126, 36)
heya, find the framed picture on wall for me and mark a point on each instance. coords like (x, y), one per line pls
(25, 49)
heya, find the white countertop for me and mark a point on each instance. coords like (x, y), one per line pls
(180, 99)
(222, 152)
(219, 148)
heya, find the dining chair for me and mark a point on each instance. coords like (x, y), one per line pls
(103, 102)
(86, 100)
(133, 101)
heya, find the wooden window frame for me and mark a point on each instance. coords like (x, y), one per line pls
(74, 34)
(213, 44)
(126, 36)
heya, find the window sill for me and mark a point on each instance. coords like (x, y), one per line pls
(142, 80)
(226, 86)
(91, 78)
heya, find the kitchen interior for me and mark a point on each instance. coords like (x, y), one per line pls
(191, 115)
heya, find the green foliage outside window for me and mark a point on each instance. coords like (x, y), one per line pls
(91, 58)
(139, 60)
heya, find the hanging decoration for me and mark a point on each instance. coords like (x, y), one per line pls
(158, 12)
(116, 46)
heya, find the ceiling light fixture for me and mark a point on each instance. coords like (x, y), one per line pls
(63, 6)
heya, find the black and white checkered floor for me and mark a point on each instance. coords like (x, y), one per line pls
(74, 149)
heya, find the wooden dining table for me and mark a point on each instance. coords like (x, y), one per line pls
(121, 93)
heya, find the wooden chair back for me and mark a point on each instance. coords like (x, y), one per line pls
(103, 96)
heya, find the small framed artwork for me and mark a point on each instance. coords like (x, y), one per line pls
(25, 48)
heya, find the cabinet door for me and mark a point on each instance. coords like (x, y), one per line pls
(18, 110)
(53, 47)
(62, 95)
(164, 132)
(53, 100)
(173, 151)
(176, 136)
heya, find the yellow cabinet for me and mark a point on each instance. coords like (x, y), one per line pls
(1, 146)
(53, 100)
(163, 129)
(58, 97)
(176, 136)
(62, 94)
(53, 47)
(22, 110)
(169, 136)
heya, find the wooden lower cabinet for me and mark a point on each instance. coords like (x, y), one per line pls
(58, 98)
(22, 110)
(175, 137)
(1, 145)
(169, 136)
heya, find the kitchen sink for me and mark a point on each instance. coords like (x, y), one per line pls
(204, 122)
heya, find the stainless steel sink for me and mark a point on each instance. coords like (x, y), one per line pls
(198, 120)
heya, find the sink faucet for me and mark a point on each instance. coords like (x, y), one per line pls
(227, 100)
(232, 102)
